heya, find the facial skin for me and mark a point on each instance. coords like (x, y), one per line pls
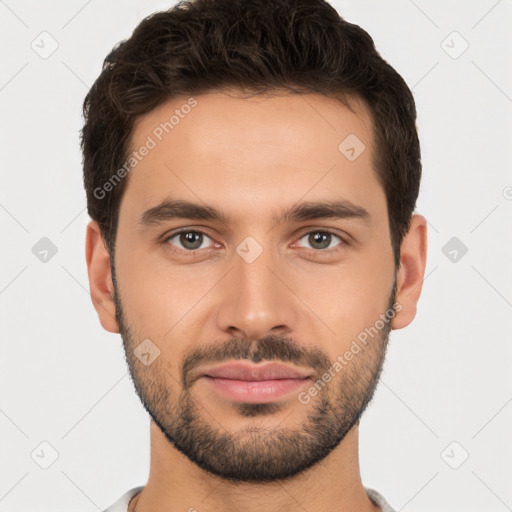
(302, 301)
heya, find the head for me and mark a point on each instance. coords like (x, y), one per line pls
(251, 171)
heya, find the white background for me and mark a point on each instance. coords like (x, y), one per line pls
(447, 376)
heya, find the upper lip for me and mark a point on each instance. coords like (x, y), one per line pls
(251, 372)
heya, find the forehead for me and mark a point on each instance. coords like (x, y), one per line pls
(211, 116)
(252, 150)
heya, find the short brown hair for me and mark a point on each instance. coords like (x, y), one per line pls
(250, 45)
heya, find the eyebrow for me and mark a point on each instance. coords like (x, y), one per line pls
(170, 209)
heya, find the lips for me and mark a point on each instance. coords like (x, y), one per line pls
(246, 371)
(242, 381)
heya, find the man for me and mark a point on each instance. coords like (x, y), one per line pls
(252, 169)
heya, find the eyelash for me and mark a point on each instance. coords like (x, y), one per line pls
(192, 252)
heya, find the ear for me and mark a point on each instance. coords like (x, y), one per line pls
(413, 259)
(100, 277)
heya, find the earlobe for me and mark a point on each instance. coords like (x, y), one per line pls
(100, 277)
(413, 259)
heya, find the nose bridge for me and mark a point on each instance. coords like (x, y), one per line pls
(256, 301)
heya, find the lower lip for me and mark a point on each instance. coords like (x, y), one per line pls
(255, 391)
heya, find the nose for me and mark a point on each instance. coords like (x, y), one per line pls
(257, 299)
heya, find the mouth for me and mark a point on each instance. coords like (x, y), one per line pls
(262, 383)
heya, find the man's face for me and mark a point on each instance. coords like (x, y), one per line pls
(254, 287)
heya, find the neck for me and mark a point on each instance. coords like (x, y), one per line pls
(177, 484)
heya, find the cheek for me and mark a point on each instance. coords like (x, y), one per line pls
(347, 298)
(157, 295)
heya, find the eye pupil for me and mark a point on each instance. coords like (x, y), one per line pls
(319, 237)
(191, 238)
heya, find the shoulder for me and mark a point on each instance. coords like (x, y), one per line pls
(379, 500)
(121, 505)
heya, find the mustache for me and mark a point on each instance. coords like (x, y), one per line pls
(270, 348)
